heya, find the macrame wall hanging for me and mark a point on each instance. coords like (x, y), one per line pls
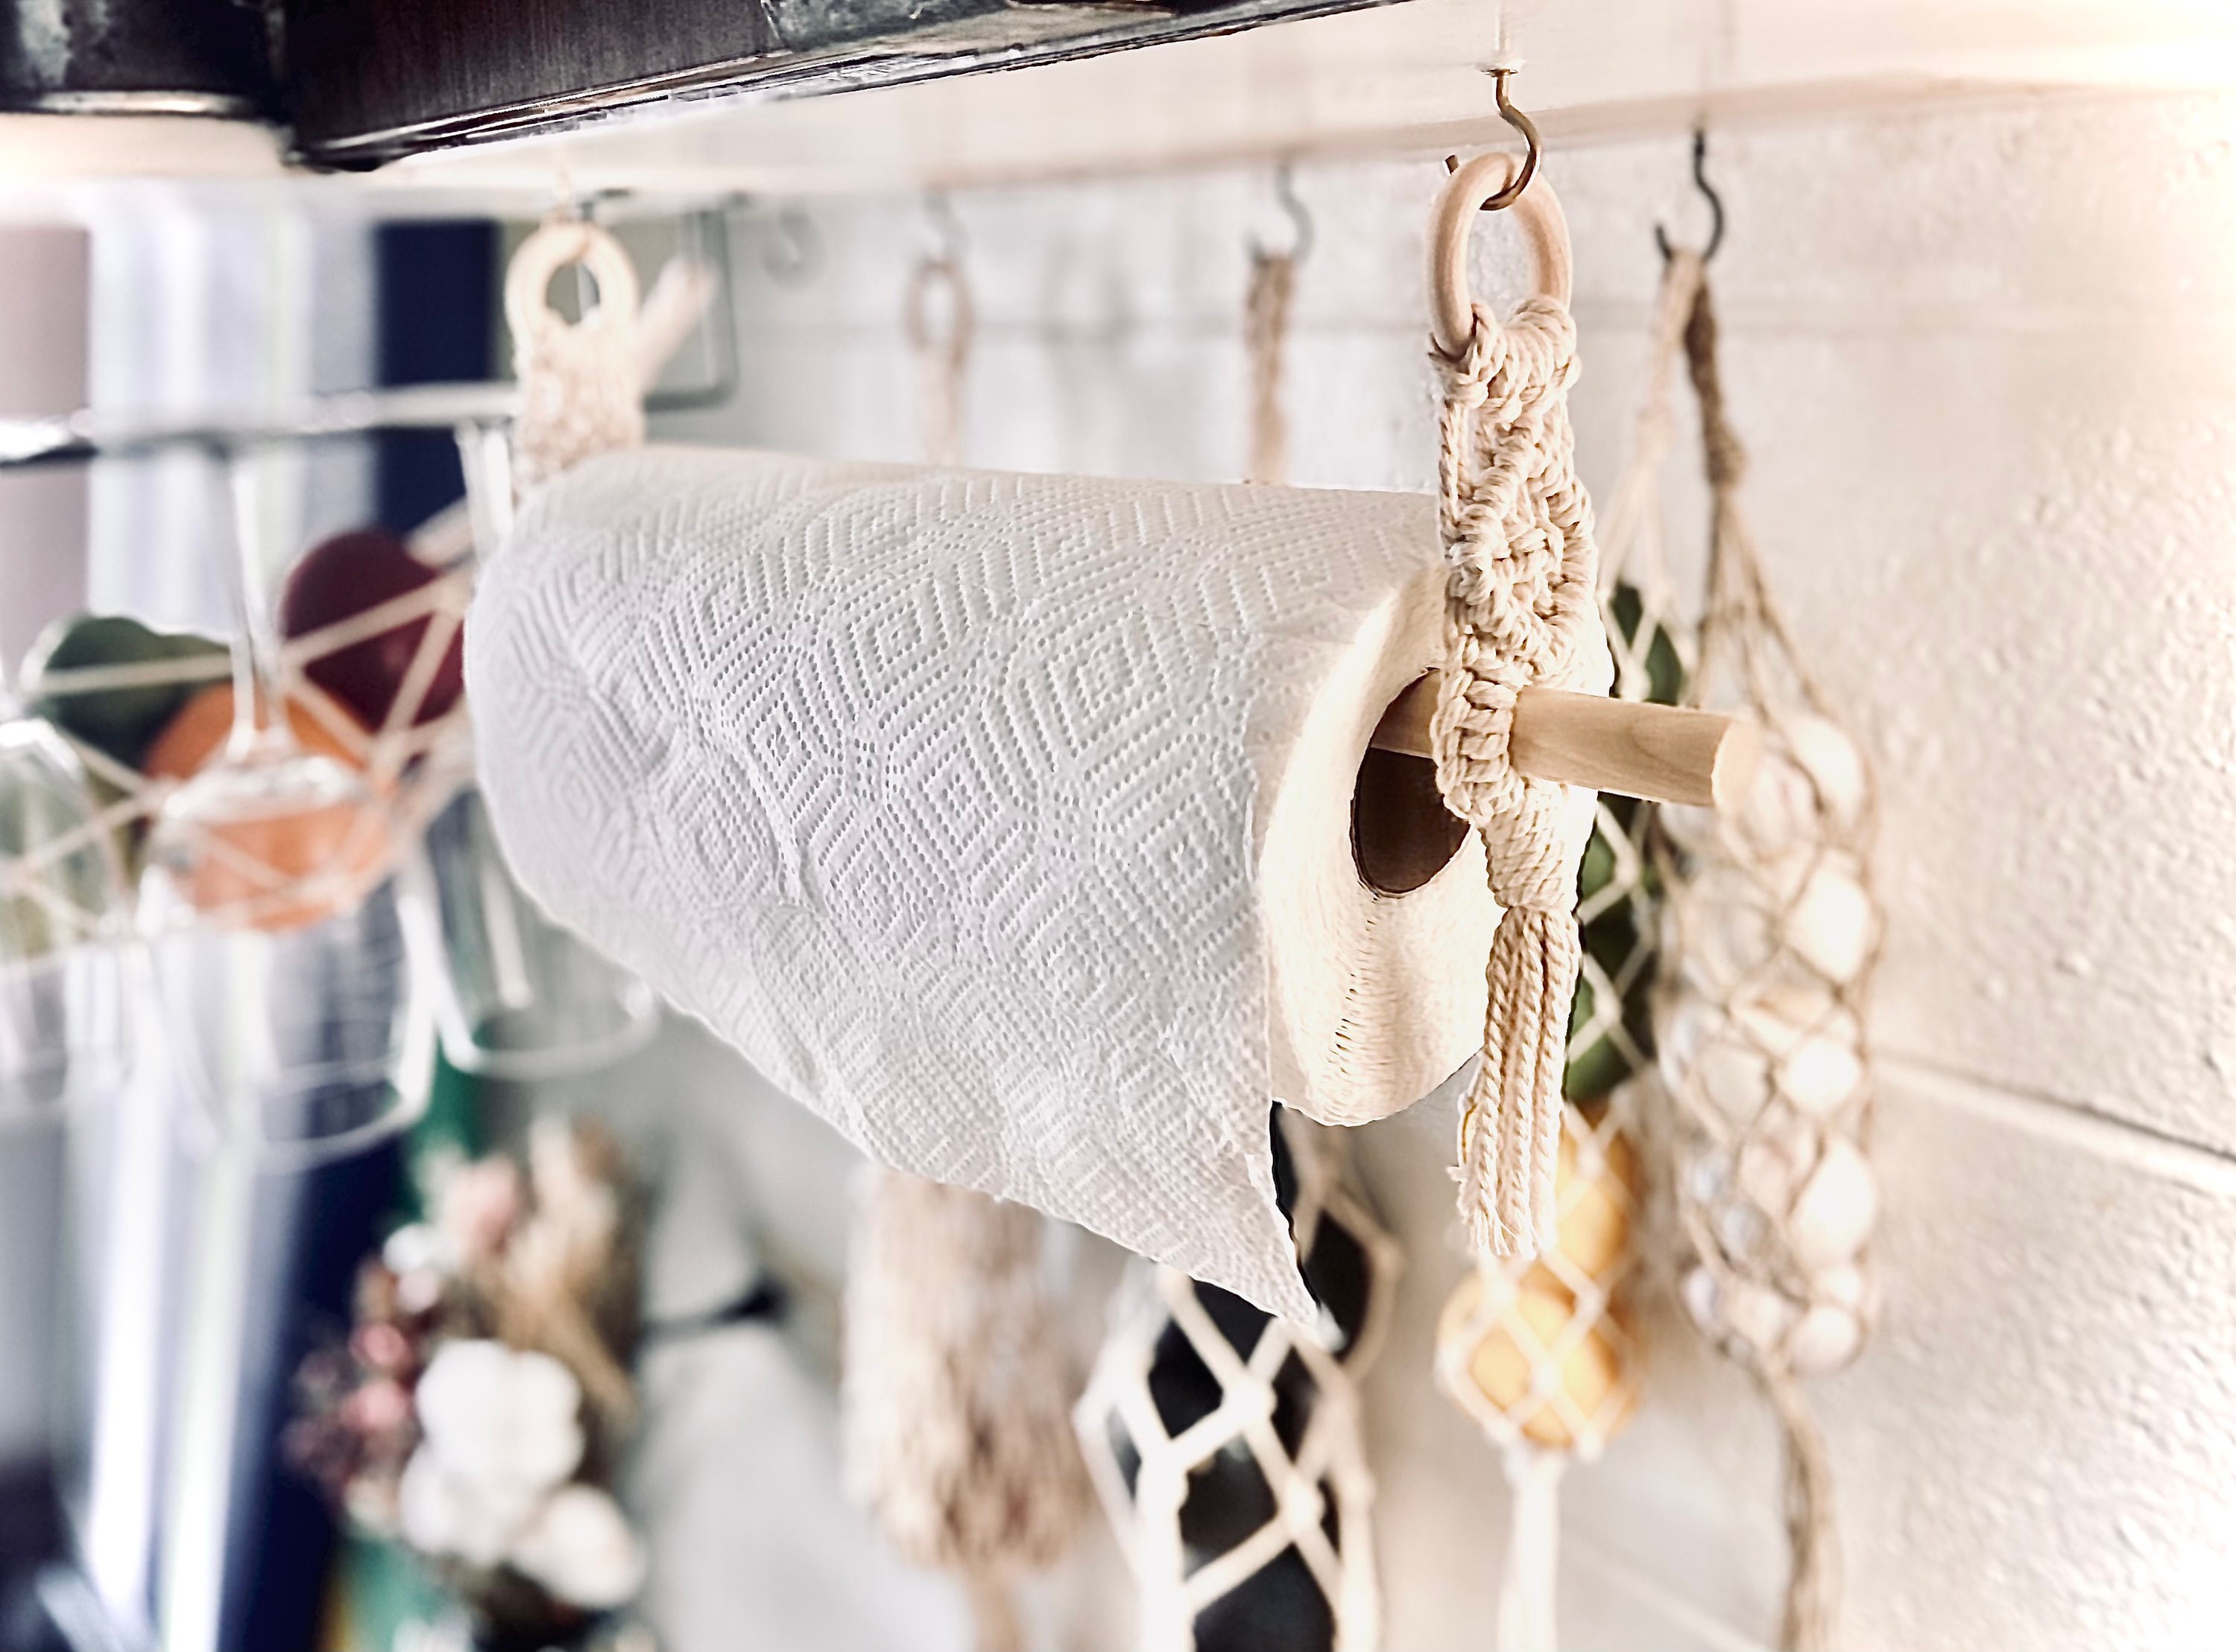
(1541, 1352)
(1772, 930)
(958, 1388)
(1521, 610)
(1226, 1443)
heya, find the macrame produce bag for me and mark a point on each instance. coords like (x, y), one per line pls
(369, 669)
(1226, 1443)
(1772, 933)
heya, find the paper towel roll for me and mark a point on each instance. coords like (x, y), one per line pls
(1006, 821)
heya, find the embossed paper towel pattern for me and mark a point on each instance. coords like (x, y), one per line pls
(940, 795)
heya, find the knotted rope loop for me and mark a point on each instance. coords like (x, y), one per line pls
(942, 350)
(581, 384)
(1725, 455)
(1519, 610)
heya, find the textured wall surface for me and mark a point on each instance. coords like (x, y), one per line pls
(1986, 360)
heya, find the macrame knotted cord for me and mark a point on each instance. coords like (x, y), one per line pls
(1264, 334)
(1170, 1474)
(943, 349)
(582, 387)
(1520, 611)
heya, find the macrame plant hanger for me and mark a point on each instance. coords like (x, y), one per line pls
(1772, 930)
(957, 1389)
(1541, 1352)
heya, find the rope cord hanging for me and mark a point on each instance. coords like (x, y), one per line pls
(1266, 333)
(1772, 930)
(1520, 610)
(942, 345)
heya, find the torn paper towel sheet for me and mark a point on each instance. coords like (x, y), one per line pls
(1005, 820)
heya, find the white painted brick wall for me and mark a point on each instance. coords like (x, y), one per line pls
(1986, 360)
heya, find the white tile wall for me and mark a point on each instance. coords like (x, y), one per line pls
(1987, 362)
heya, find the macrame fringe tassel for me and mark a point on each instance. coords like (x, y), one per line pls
(957, 1390)
(1528, 1582)
(1511, 1124)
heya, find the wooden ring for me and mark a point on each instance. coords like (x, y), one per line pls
(551, 249)
(1451, 306)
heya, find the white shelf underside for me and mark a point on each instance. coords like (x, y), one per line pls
(1393, 79)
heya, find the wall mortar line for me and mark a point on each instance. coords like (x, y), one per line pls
(2072, 1123)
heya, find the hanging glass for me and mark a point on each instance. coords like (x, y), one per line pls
(65, 999)
(516, 997)
(279, 947)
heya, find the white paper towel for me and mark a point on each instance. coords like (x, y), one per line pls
(1004, 820)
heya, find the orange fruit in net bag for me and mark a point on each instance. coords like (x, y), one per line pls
(291, 866)
(1554, 1385)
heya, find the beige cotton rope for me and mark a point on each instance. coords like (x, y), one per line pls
(943, 349)
(1773, 933)
(581, 389)
(1520, 609)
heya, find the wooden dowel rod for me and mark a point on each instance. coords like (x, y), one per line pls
(1662, 753)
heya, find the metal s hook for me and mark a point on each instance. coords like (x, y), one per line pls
(1709, 190)
(1301, 218)
(1535, 146)
(794, 248)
